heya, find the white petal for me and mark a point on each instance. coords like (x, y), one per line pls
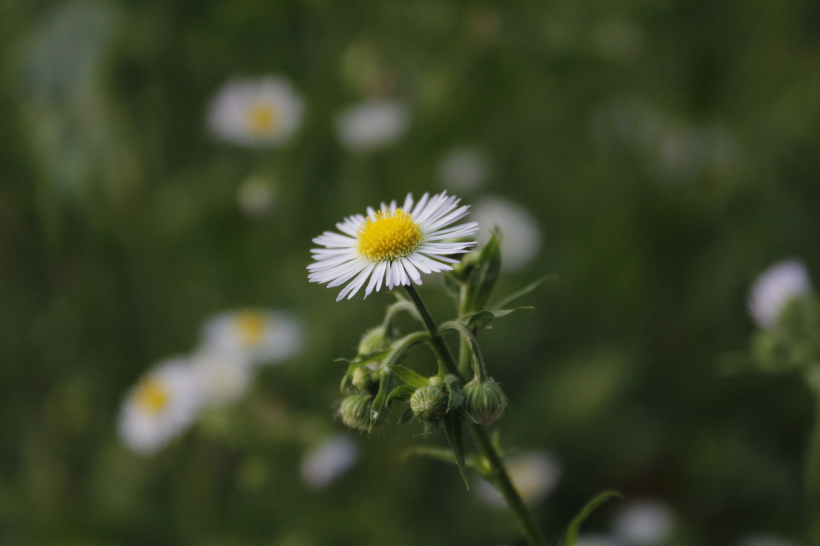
(377, 275)
(420, 205)
(408, 203)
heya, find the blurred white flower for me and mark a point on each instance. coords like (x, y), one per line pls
(225, 375)
(372, 125)
(774, 288)
(329, 460)
(255, 196)
(535, 475)
(264, 337)
(162, 405)
(644, 523)
(765, 540)
(463, 169)
(521, 239)
(255, 112)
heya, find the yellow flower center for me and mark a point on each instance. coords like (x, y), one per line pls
(262, 118)
(389, 237)
(152, 396)
(251, 326)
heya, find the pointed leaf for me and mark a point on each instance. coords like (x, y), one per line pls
(524, 291)
(402, 393)
(452, 427)
(409, 376)
(487, 316)
(379, 410)
(483, 276)
(574, 528)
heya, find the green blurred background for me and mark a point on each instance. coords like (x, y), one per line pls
(669, 150)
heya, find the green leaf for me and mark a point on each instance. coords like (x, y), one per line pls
(347, 375)
(483, 275)
(452, 427)
(456, 398)
(406, 416)
(402, 393)
(379, 410)
(475, 319)
(574, 528)
(524, 291)
(409, 376)
(453, 285)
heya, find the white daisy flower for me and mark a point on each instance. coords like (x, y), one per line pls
(776, 287)
(521, 237)
(463, 169)
(329, 460)
(225, 375)
(262, 336)
(255, 112)
(534, 474)
(392, 245)
(372, 125)
(162, 405)
(644, 523)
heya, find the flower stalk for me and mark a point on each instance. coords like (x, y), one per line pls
(497, 472)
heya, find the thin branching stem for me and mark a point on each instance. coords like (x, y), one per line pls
(498, 473)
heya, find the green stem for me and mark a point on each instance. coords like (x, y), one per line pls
(813, 477)
(498, 473)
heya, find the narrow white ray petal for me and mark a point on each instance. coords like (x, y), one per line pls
(443, 210)
(431, 207)
(378, 273)
(382, 276)
(432, 265)
(392, 207)
(330, 264)
(413, 260)
(371, 214)
(388, 276)
(349, 271)
(446, 220)
(408, 203)
(356, 284)
(420, 205)
(398, 277)
(411, 270)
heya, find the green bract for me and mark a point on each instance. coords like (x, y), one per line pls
(484, 401)
(429, 403)
(355, 411)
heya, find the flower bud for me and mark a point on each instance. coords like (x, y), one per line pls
(429, 403)
(364, 379)
(355, 411)
(372, 340)
(484, 400)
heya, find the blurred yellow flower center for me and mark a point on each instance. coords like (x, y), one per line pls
(262, 118)
(152, 396)
(251, 327)
(389, 237)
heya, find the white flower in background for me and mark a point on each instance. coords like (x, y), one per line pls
(774, 288)
(162, 405)
(255, 112)
(225, 375)
(391, 245)
(644, 523)
(521, 239)
(264, 337)
(534, 474)
(372, 125)
(766, 540)
(463, 169)
(255, 196)
(329, 460)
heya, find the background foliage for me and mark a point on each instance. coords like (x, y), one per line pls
(669, 151)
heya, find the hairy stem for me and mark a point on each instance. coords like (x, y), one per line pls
(498, 473)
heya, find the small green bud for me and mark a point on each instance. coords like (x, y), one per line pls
(372, 341)
(364, 379)
(355, 411)
(429, 403)
(484, 400)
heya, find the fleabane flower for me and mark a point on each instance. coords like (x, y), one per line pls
(263, 337)
(255, 112)
(329, 460)
(775, 288)
(372, 125)
(535, 475)
(392, 245)
(225, 375)
(162, 405)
